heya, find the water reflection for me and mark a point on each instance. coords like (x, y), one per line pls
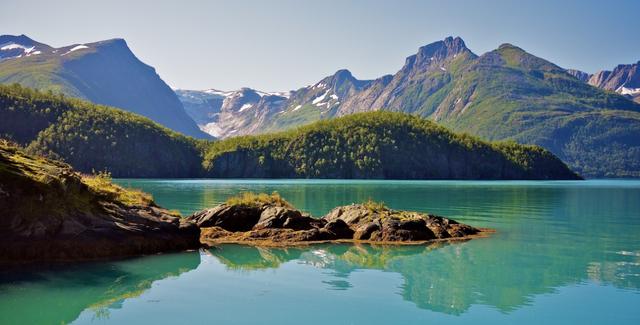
(447, 278)
(58, 294)
(550, 236)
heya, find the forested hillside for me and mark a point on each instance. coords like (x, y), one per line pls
(93, 137)
(379, 145)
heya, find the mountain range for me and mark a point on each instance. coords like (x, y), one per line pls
(503, 94)
(104, 72)
(590, 121)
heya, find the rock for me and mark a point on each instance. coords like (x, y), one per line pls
(231, 218)
(275, 217)
(364, 231)
(351, 214)
(50, 213)
(300, 223)
(207, 218)
(279, 225)
(339, 229)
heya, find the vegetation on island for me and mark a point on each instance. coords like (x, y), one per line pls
(378, 145)
(251, 199)
(50, 187)
(53, 213)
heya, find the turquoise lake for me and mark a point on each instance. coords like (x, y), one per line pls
(563, 253)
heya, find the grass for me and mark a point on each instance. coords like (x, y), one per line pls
(375, 206)
(101, 184)
(48, 187)
(251, 199)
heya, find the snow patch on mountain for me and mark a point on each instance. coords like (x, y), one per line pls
(245, 107)
(628, 91)
(13, 46)
(213, 129)
(75, 48)
(319, 99)
(218, 92)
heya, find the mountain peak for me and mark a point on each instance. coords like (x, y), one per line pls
(505, 46)
(343, 74)
(438, 51)
(515, 57)
(22, 39)
(12, 46)
(448, 46)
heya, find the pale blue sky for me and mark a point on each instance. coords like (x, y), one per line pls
(282, 45)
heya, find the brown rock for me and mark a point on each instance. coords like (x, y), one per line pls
(339, 229)
(277, 224)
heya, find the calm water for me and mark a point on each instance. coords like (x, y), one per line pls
(564, 253)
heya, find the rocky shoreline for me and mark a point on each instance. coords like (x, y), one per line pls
(50, 213)
(280, 224)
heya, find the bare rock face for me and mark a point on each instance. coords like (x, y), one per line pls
(624, 79)
(276, 225)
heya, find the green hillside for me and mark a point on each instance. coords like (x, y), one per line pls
(94, 137)
(378, 145)
(510, 94)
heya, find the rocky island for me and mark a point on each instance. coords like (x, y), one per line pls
(52, 213)
(269, 220)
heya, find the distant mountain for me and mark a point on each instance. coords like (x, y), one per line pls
(225, 113)
(105, 72)
(624, 79)
(506, 93)
(580, 75)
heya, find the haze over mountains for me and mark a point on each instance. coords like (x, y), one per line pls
(589, 121)
(104, 72)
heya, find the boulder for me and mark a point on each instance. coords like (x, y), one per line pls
(339, 229)
(231, 218)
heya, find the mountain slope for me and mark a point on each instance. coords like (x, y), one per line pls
(378, 145)
(506, 93)
(95, 138)
(105, 72)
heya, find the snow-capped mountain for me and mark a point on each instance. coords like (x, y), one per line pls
(228, 113)
(104, 72)
(12, 47)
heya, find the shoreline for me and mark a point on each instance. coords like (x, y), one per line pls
(483, 233)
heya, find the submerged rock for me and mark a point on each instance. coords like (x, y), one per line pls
(277, 224)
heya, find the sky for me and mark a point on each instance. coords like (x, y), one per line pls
(280, 45)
